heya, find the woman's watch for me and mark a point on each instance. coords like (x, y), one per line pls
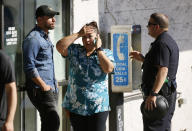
(99, 49)
(152, 93)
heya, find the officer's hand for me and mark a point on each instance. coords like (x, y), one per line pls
(136, 55)
(150, 103)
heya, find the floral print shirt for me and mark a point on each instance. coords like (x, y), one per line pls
(87, 91)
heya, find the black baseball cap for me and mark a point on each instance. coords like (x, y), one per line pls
(45, 10)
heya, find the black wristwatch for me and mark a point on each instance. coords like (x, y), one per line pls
(99, 49)
(152, 93)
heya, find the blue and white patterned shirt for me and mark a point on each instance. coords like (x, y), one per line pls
(87, 91)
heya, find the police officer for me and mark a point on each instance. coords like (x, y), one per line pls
(159, 71)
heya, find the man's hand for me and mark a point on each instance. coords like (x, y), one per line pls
(136, 55)
(150, 103)
(8, 126)
(46, 88)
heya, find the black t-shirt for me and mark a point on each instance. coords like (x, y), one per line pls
(6, 76)
(163, 52)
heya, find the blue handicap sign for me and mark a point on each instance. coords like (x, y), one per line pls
(120, 52)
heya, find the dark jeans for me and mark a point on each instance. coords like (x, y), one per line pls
(45, 102)
(95, 122)
(164, 123)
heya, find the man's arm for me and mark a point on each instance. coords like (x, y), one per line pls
(159, 81)
(31, 49)
(41, 83)
(160, 78)
(11, 93)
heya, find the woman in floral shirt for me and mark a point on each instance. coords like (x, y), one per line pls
(87, 98)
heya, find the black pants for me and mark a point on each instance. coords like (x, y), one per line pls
(94, 122)
(164, 123)
(45, 102)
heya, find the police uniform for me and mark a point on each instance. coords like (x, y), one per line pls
(163, 52)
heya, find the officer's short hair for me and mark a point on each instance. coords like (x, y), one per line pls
(160, 19)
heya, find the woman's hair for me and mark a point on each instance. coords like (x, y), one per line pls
(160, 19)
(94, 25)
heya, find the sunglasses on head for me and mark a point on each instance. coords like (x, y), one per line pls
(94, 24)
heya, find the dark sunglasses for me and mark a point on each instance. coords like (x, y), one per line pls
(149, 23)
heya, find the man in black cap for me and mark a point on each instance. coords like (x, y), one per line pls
(39, 68)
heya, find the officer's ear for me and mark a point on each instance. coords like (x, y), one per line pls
(157, 27)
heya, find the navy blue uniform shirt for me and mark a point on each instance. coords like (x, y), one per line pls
(163, 52)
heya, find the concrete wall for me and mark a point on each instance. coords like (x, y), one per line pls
(125, 12)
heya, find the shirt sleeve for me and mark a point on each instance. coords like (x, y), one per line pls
(161, 55)
(31, 48)
(7, 70)
(73, 49)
